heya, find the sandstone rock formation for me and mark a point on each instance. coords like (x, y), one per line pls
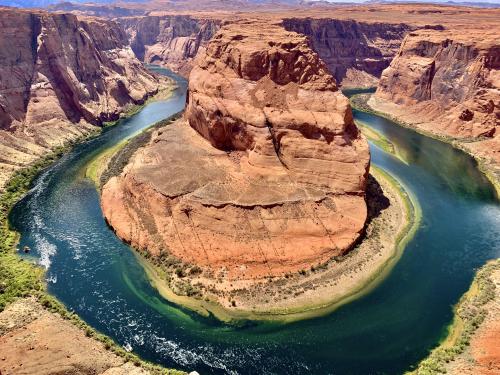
(455, 77)
(171, 40)
(36, 341)
(448, 83)
(59, 76)
(266, 173)
(355, 52)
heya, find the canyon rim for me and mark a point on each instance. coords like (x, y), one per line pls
(283, 180)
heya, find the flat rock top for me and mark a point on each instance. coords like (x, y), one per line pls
(179, 162)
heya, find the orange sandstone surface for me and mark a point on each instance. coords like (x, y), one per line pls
(447, 83)
(60, 76)
(265, 174)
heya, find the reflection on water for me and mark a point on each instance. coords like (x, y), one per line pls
(386, 331)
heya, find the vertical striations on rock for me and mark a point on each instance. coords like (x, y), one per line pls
(355, 52)
(59, 75)
(447, 82)
(171, 40)
(458, 75)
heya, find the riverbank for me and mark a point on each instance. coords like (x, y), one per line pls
(163, 93)
(367, 103)
(308, 293)
(472, 345)
(23, 288)
(379, 140)
(98, 165)
(36, 340)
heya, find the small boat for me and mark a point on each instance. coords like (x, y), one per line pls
(26, 249)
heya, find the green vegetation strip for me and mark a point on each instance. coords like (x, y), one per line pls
(469, 314)
(20, 278)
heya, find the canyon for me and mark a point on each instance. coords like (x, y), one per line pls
(282, 188)
(261, 188)
(171, 40)
(61, 77)
(354, 52)
(447, 84)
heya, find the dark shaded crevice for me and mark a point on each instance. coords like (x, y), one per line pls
(276, 143)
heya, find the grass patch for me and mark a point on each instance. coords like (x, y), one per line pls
(469, 314)
(97, 166)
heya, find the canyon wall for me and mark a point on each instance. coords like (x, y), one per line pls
(355, 52)
(60, 76)
(171, 40)
(447, 83)
(266, 173)
(459, 76)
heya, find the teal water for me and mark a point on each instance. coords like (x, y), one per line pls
(385, 332)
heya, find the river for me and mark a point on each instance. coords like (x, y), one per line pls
(385, 332)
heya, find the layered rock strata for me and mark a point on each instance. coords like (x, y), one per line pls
(355, 52)
(60, 76)
(266, 173)
(447, 83)
(171, 40)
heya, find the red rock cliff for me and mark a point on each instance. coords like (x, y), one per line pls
(265, 175)
(58, 76)
(172, 40)
(448, 83)
(355, 52)
(457, 76)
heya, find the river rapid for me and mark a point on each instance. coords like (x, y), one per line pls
(386, 331)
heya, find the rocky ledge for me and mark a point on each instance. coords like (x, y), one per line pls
(266, 173)
(60, 75)
(447, 83)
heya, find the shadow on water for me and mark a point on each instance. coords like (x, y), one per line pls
(385, 332)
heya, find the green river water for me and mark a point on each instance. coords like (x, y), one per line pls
(386, 331)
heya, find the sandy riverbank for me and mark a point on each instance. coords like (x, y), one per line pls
(313, 292)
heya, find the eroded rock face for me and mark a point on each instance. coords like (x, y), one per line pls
(171, 40)
(266, 173)
(355, 52)
(455, 77)
(59, 75)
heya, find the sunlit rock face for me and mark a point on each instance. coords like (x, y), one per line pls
(455, 77)
(355, 52)
(59, 75)
(264, 175)
(170, 40)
